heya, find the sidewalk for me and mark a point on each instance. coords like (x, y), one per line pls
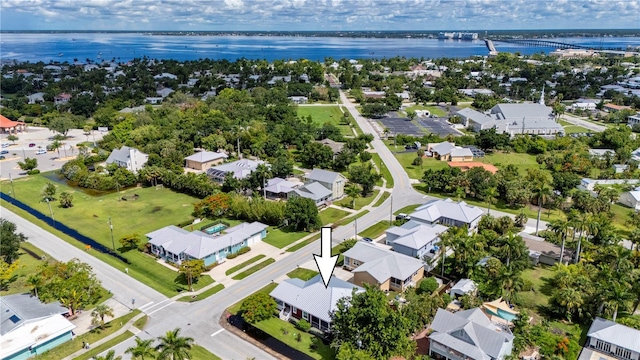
(83, 321)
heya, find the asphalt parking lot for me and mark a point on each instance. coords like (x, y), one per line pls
(401, 126)
(438, 126)
(40, 137)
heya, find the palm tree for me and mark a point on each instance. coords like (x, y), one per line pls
(353, 191)
(111, 355)
(490, 194)
(35, 281)
(511, 247)
(143, 348)
(581, 221)
(542, 192)
(570, 299)
(173, 346)
(99, 313)
(618, 295)
(560, 227)
(55, 146)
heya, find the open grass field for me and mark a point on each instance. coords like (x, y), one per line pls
(302, 273)
(89, 215)
(283, 236)
(242, 265)
(326, 114)
(416, 171)
(287, 333)
(521, 161)
(538, 297)
(331, 215)
(360, 201)
(91, 337)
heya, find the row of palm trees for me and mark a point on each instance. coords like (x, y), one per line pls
(171, 346)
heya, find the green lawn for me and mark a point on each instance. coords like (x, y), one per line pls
(434, 110)
(103, 347)
(90, 216)
(538, 297)
(254, 269)
(266, 290)
(141, 323)
(406, 210)
(203, 295)
(521, 161)
(199, 353)
(331, 215)
(326, 114)
(91, 337)
(30, 258)
(376, 230)
(360, 201)
(277, 328)
(383, 170)
(620, 218)
(302, 273)
(302, 244)
(414, 171)
(385, 196)
(240, 266)
(572, 129)
(281, 237)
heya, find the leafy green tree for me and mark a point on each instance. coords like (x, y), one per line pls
(302, 214)
(61, 124)
(12, 138)
(428, 285)
(316, 155)
(130, 241)
(174, 347)
(257, 307)
(368, 322)
(72, 283)
(7, 273)
(66, 199)
(365, 176)
(191, 270)
(141, 349)
(98, 314)
(282, 166)
(11, 239)
(28, 164)
(352, 191)
(489, 139)
(49, 192)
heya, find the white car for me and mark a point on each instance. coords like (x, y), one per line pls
(4, 145)
(41, 151)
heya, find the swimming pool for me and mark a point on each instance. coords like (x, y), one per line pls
(215, 229)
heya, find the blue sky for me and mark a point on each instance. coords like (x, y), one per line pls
(334, 15)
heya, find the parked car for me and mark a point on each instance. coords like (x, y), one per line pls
(2, 157)
(41, 151)
(32, 144)
(367, 239)
(4, 152)
(4, 145)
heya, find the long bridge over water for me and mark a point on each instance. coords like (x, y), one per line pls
(551, 44)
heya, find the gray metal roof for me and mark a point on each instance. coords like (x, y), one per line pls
(18, 308)
(314, 191)
(614, 333)
(443, 148)
(471, 333)
(518, 111)
(325, 176)
(382, 263)
(475, 116)
(279, 185)
(240, 168)
(415, 235)
(435, 209)
(206, 156)
(123, 154)
(312, 296)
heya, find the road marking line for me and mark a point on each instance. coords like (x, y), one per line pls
(158, 304)
(156, 310)
(217, 332)
(145, 305)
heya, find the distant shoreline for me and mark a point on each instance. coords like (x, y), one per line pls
(548, 33)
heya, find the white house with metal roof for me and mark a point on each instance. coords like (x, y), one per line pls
(468, 335)
(240, 169)
(278, 188)
(203, 160)
(607, 339)
(631, 198)
(329, 179)
(383, 268)
(310, 300)
(129, 158)
(448, 212)
(415, 239)
(176, 245)
(30, 328)
(314, 191)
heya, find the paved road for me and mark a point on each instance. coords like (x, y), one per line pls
(585, 124)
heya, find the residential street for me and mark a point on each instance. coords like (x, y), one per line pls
(200, 319)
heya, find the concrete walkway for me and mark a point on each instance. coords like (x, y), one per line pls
(83, 320)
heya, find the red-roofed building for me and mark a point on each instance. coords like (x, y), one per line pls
(62, 98)
(12, 127)
(464, 166)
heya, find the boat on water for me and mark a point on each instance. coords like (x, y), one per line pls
(60, 54)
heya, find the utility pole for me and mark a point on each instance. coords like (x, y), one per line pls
(53, 221)
(13, 190)
(113, 243)
(391, 210)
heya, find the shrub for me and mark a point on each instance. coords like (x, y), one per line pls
(33, 172)
(303, 325)
(244, 250)
(428, 285)
(232, 256)
(207, 268)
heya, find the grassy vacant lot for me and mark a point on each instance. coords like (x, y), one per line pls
(326, 114)
(89, 215)
(240, 266)
(538, 297)
(414, 171)
(521, 161)
(254, 269)
(434, 110)
(28, 262)
(360, 202)
(91, 337)
(302, 273)
(376, 230)
(281, 237)
(331, 215)
(287, 333)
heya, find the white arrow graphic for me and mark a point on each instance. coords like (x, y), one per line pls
(325, 261)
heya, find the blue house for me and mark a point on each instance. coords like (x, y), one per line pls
(176, 245)
(30, 328)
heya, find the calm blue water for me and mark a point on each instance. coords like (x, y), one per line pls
(124, 47)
